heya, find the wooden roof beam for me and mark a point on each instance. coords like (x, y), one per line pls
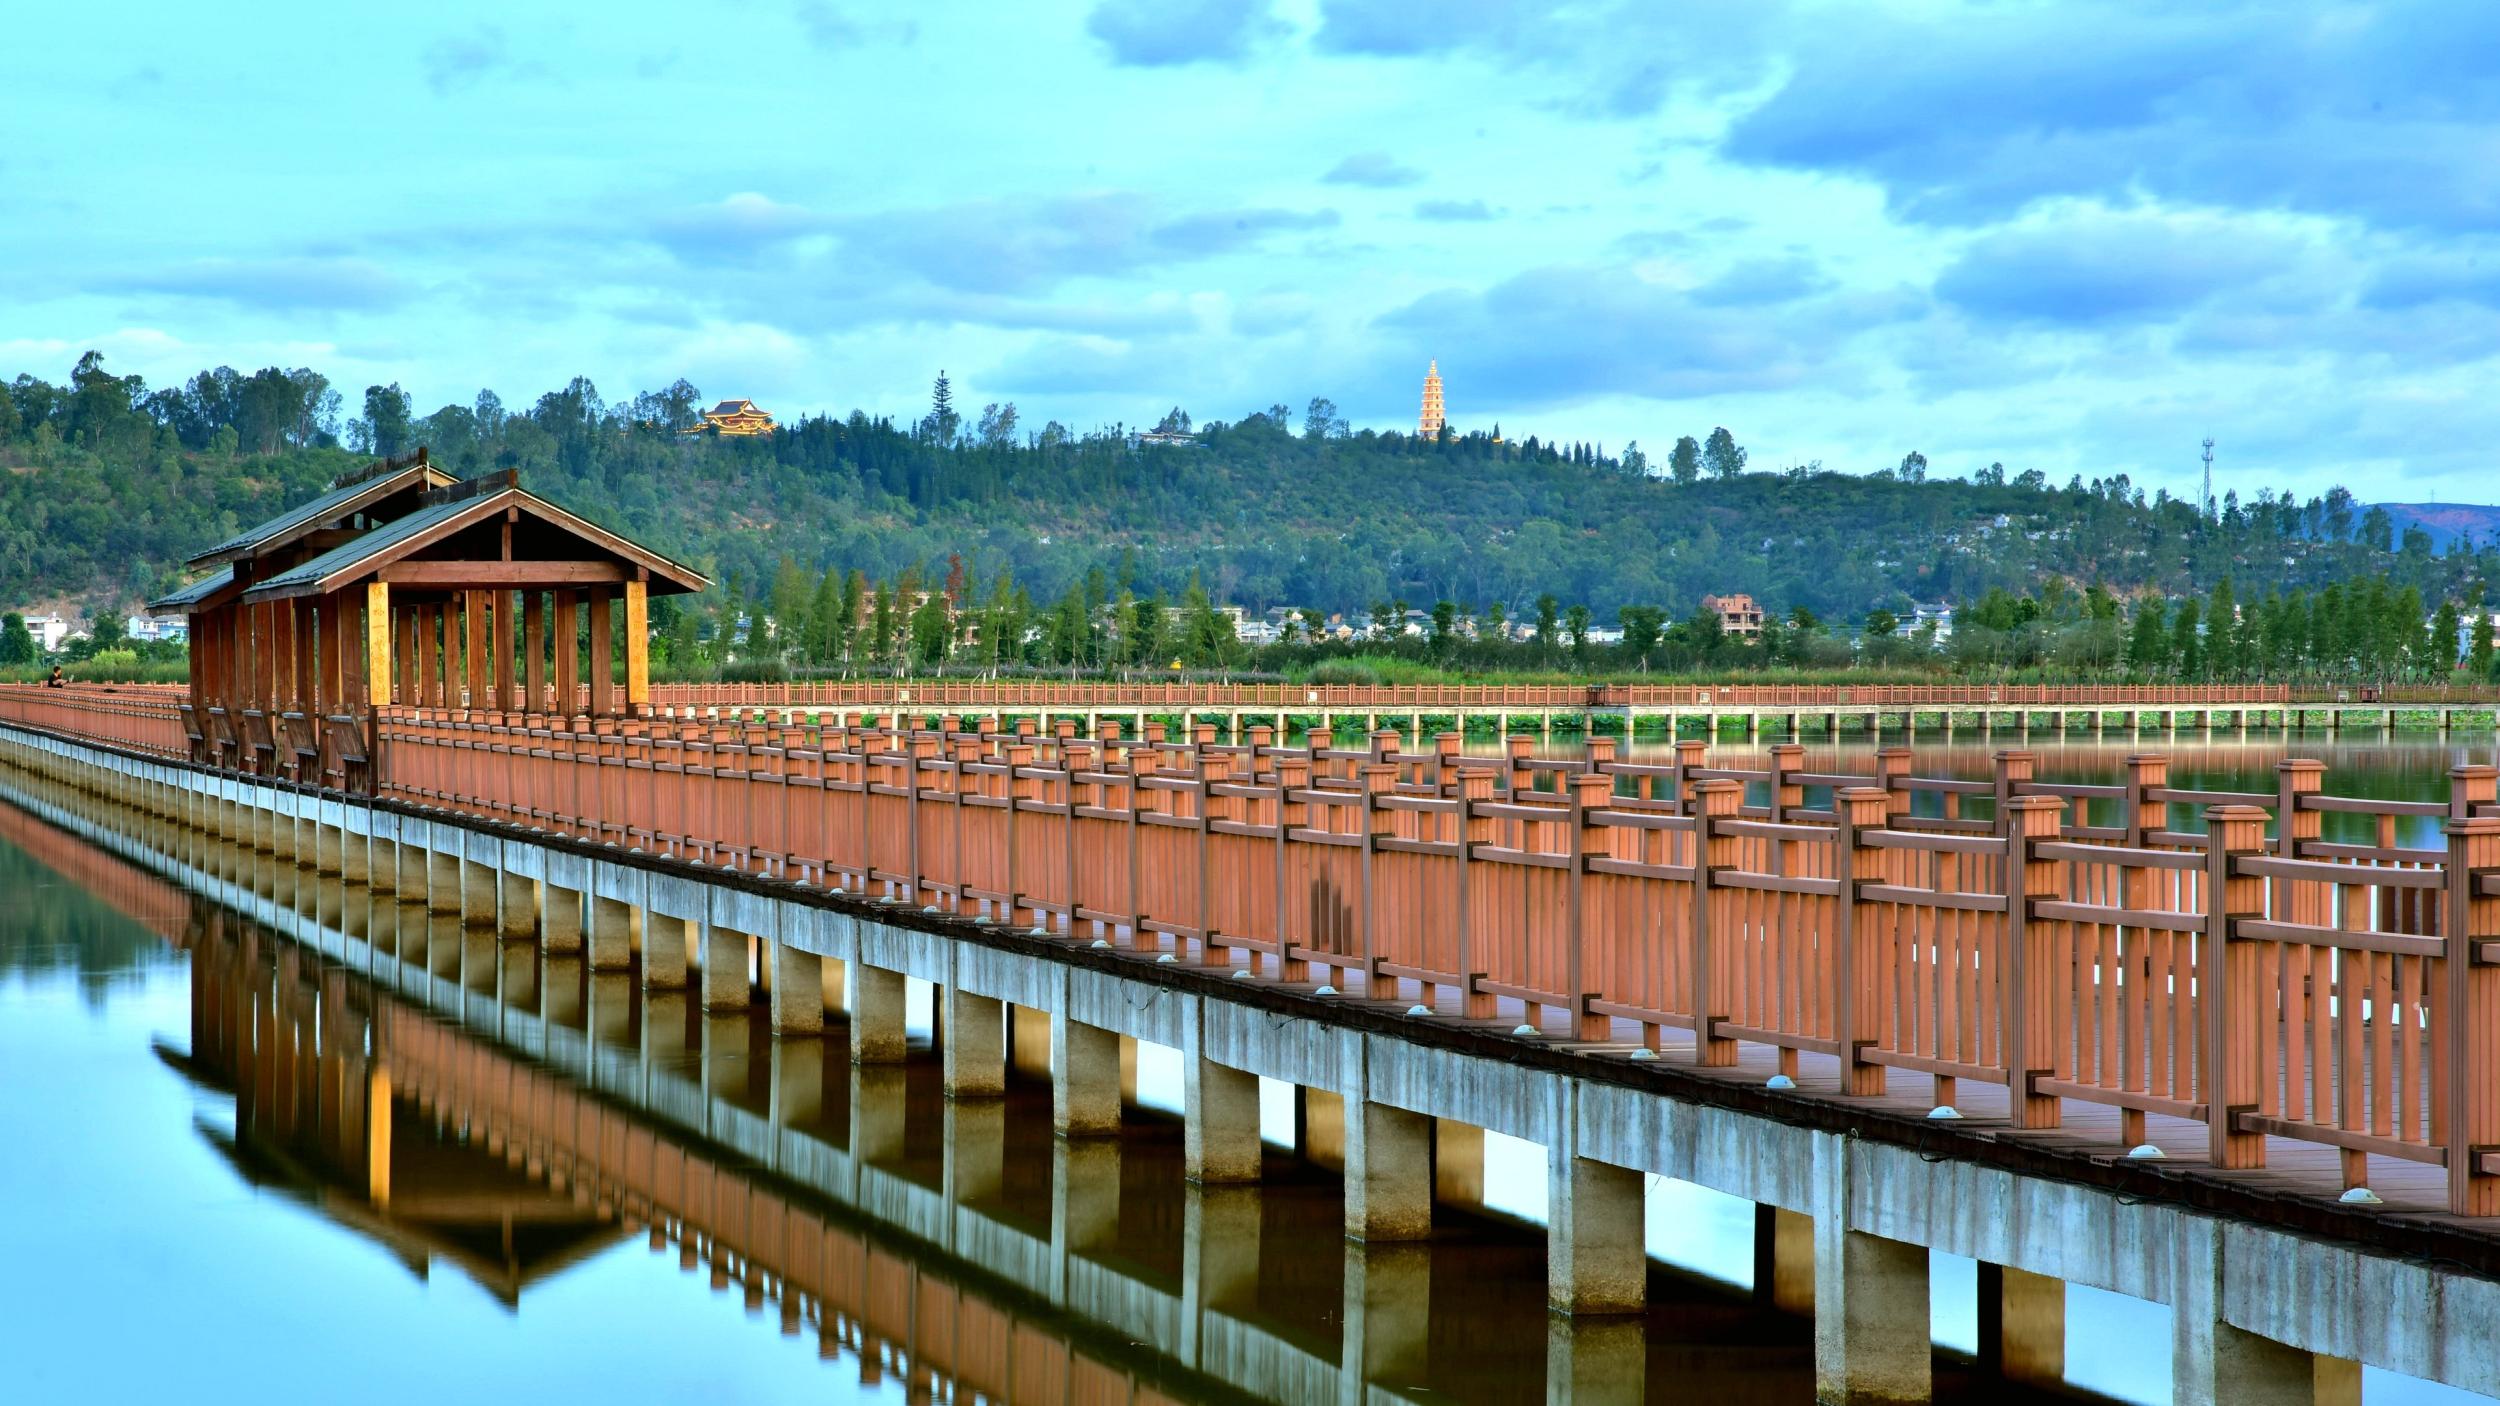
(483, 575)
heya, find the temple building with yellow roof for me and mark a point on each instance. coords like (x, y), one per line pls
(734, 417)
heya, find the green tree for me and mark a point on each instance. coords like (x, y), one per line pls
(1881, 623)
(386, 421)
(2148, 644)
(940, 425)
(1548, 615)
(788, 607)
(1576, 624)
(1642, 627)
(1444, 625)
(2222, 633)
(17, 643)
(2446, 644)
(932, 631)
(2187, 643)
(1207, 638)
(1722, 456)
(825, 620)
(2482, 661)
(1684, 461)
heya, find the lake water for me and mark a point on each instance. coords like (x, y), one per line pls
(187, 1119)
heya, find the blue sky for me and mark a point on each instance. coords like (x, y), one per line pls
(2077, 238)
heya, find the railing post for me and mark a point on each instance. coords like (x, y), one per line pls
(1855, 982)
(1474, 789)
(1589, 795)
(2468, 1055)
(2231, 1005)
(2013, 772)
(1214, 769)
(1020, 788)
(1892, 768)
(2027, 1004)
(1292, 774)
(1688, 758)
(1712, 802)
(1377, 779)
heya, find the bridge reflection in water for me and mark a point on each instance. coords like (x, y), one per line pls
(468, 1101)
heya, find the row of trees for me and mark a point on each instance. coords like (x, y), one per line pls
(1277, 508)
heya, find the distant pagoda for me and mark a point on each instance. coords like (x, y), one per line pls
(1428, 425)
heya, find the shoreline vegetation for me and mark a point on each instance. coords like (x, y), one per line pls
(964, 543)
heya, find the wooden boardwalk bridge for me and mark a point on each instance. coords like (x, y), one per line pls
(2069, 1030)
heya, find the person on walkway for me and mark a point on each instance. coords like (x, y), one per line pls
(56, 680)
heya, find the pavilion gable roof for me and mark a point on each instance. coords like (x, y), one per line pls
(459, 508)
(197, 596)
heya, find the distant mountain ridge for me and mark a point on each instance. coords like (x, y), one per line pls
(2445, 522)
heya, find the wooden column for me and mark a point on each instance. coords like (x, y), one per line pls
(637, 647)
(377, 643)
(437, 641)
(306, 675)
(602, 656)
(338, 650)
(507, 694)
(568, 643)
(473, 636)
(534, 649)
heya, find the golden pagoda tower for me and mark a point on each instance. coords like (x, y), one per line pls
(1428, 424)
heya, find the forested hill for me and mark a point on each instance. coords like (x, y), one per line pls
(108, 484)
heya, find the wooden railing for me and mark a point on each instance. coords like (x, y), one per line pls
(2134, 945)
(932, 696)
(142, 717)
(1982, 930)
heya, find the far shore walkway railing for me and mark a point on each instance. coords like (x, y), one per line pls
(2214, 956)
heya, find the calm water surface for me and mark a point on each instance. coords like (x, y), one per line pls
(195, 1216)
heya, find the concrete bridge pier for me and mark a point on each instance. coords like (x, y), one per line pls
(615, 931)
(876, 1009)
(2215, 1363)
(560, 919)
(1871, 1329)
(1783, 1259)
(478, 894)
(728, 955)
(1220, 1116)
(517, 904)
(440, 887)
(663, 951)
(1595, 1262)
(1084, 1078)
(2022, 1325)
(1388, 1171)
(798, 991)
(975, 1045)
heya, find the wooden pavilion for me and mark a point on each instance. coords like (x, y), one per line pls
(402, 585)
